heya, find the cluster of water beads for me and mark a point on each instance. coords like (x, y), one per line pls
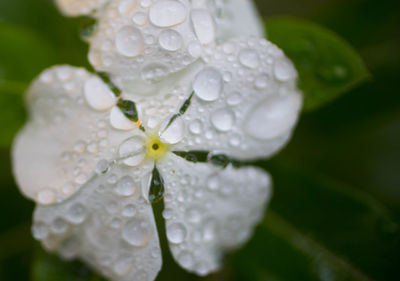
(200, 220)
(108, 224)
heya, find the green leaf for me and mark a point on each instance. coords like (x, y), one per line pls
(12, 114)
(327, 65)
(23, 53)
(318, 229)
(47, 267)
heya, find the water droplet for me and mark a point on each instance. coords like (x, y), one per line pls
(167, 213)
(273, 117)
(185, 259)
(123, 266)
(176, 233)
(167, 13)
(170, 40)
(249, 58)
(139, 18)
(223, 120)
(59, 225)
(133, 151)
(76, 214)
(126, 6)
(203, 26)
(102, 167)
(284, 70)
(137, 232)
(126, 186)
(173, 133)
(40, 231)
(154, 72)
(129, 41)
(129, 210)
(46, 197)
(195, 49)
(196, 127)
(119, 121)
(208, 84)
(98, 95)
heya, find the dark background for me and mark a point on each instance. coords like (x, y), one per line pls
(336, 208)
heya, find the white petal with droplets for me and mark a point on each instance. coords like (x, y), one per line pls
(107, 224)
(210, 210)
(58, 149)
(79, 7)
(241, 106)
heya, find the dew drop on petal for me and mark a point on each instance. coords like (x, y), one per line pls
(203, 26)
(40, 231)
(186, 260)
(139, 18)
(176, 233)
(196, 127)
(129, 210)
(170, 40)
(167, 13)
(223, 120)
(208, 84)
(133, 151)
(98, 95)
(123, 266)
(137, 232)
(129, 41)
(102, 167)
(249, 58)
(126, 186)
(76, 214)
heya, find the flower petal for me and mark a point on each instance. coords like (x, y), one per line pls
(209, 210)
(245, 101)
(79, 7)
(108, 224)
(236, 18)
(58, 149)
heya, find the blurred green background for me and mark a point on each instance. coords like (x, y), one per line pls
(336, 208)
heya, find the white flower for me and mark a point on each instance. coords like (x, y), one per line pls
(99, 149)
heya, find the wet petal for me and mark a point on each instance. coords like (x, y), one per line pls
(79, 7)
(68, 133)
(209, 210)
(236, 18)
(108, 224)
(245, 101)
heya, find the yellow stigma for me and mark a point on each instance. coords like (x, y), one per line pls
(155, 149)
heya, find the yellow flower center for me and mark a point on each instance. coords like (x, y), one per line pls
(155, 149)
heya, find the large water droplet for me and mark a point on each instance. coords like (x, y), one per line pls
(223, 120)
(249, 58)
(273, 117)
(167, 13)
(208, 84)
(129, 41)
(133, 151)
(76, 214)
(137, 232)
(170, 40)
(176, 233)
(126, 186)
(173, 133)
(203, 26)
